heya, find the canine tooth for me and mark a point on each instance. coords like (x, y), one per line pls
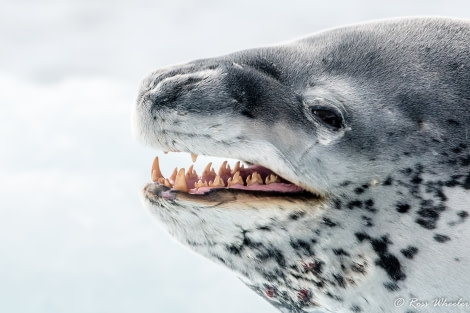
(180, 182)
(253, 179)
(271, 179)
(156, 173)
(218, 182)
(193, 157)
(236, 179)
(173, 175)
(167, 183)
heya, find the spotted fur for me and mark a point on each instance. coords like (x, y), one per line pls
(394, 177)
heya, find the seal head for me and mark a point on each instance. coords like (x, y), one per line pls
(359, 136)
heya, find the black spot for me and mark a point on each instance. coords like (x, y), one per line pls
(340, 251)
(272, 253)
(359, 190)
(300, 244)
(370, 205)
(386, 260)
(247, 114)
(456, 150)
(388, 181)
(296, 215)
(356, 309)
(463, 214)
(318, 267)
(362, 236)
(339, 280)
(328, 222)
(441, 238)
(403, 207)
(234, 249)
(407, 171)
(391, 286)
(354, 204)
(454, 181)
(409, 252)
(466, 183)
(453, 122)
(265, 228)
(337, 204)
(429, 214)
(368, 221)
(465, 161)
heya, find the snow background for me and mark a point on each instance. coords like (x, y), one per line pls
(74, 236)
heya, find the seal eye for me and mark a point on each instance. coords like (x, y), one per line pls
(329, 117)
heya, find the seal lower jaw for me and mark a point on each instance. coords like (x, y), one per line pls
(157, 194)
(242, 184)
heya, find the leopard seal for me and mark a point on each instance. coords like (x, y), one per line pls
(356, 192)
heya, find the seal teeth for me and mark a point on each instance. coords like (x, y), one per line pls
(193, 157)
(224, 169)
(200, 184)
(156, 173)
(218, 182)
(180, 182)
(191, 174)
(209, 173)
(254, 178)
(235, 180)
(173, 175)
(272, 179)
(167, 183)
(236, 168)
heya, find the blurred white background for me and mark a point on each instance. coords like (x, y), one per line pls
(74, 236)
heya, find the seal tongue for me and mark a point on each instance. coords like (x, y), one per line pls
(254, 178)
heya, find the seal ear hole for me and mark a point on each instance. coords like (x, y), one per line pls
(329, 117)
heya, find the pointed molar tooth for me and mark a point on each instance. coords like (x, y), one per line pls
(194, 157)
(271, 179)
(208, 174)
(180, 182)
(254, 178)
(224, 169)
(200, 184)
(191, 174)
(218, 182)
(156, 173)
(236, 168)
(235, 180)
(165, 152)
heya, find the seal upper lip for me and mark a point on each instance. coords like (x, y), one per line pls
(252, 178)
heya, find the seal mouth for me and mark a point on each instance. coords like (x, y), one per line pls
(250, 178)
